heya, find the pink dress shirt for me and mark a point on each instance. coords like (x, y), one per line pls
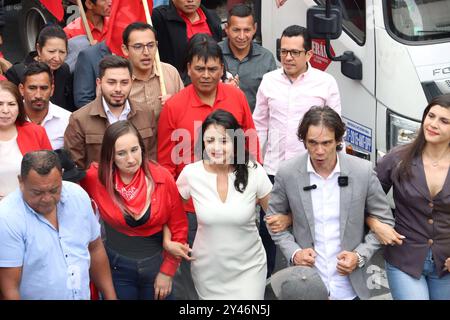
(280, 106)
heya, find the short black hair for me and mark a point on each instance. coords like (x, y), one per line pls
(113, 62)
(241, 10)
(203, 46)
(141, 26)
(49, 32)
(41, 161)
(298, 31)
(36, 67)
(325, 116)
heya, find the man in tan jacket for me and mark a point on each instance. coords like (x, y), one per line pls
(84, 134)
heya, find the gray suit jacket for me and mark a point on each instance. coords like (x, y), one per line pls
(86, 72)
(362, 196)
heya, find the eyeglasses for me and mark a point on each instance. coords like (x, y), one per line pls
(140, 46)
(294, 53)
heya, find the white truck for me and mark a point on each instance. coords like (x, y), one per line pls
(403, 47)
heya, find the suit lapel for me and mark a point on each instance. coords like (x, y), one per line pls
(305, 196)
(345, 196)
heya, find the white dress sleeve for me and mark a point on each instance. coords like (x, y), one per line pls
(183, 185)
(264, 186)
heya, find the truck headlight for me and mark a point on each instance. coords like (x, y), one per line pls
(401, 130)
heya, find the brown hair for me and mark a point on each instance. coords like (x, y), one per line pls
(107, 167)
(12, 88)
(325, 116)
(408, 152)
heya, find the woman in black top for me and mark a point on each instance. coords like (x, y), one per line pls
(51, 48)
(418, 259)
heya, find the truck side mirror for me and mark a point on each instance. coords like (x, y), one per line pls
(322, 25)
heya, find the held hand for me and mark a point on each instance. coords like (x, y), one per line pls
(305, 257)
(278, 222)
(347, 262)
(163, 286)
(447, 264)
(164, 98)
(178, 249)
(384, 232)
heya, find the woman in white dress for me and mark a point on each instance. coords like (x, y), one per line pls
(228, 257)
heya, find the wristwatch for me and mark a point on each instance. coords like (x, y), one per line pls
(361, 259)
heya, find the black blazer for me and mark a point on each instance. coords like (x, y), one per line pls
(171, 33)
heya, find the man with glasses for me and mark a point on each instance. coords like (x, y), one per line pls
(140, 46)
(283, 97)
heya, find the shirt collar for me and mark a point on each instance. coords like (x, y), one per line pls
(155, 72)
(197, 102)
(52, 112)
(254, 49)
(310, 168)
(201, 16)
(127, 108)
(300, 77)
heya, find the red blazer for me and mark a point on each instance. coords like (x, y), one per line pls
(31, 137)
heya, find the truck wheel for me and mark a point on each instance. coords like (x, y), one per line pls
(32, 19)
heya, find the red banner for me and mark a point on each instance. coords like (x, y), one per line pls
(124, 12)
(55, 7)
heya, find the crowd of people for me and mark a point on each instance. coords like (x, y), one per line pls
(134, 178)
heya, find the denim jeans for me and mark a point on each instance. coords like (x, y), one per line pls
(134, 279)
(428, 287)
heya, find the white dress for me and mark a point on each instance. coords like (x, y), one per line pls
(230, 258)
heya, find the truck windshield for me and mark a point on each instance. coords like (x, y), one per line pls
(419, 20)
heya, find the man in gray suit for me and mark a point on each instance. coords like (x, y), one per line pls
(329, 194)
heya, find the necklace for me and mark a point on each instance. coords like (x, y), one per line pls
(435, 163)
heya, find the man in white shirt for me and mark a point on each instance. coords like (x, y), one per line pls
(36, 88)
(283, 97)
(329, 194)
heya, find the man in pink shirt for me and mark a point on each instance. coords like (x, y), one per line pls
(283, 97)
(97, 13)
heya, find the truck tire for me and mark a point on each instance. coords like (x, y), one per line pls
(32, 19)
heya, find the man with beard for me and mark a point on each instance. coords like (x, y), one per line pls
(36, 89)
(84, 134)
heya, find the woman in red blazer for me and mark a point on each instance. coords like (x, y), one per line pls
(136, 198)
(17, 137)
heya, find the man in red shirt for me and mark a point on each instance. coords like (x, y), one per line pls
(181, 119)
(97, 13)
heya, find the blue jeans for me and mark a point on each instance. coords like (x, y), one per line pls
(134, 279)
(428, 287)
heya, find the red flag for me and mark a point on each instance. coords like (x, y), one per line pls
(55, 7)
(124, 12)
